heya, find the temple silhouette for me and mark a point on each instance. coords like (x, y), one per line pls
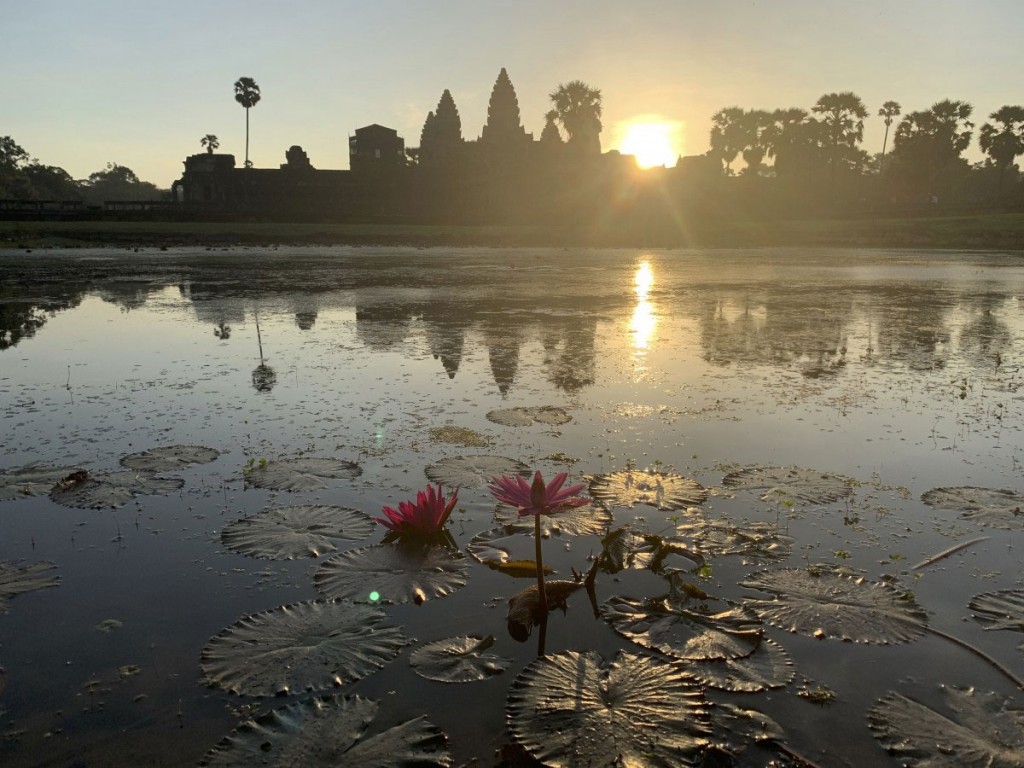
(504, 176)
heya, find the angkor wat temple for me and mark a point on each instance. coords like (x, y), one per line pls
(504, 176)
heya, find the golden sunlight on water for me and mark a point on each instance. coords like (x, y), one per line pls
(644, 320)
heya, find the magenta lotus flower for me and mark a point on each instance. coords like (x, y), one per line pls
(424, 517)
(536, 498)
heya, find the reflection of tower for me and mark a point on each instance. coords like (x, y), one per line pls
(569, 352)
(381, 326)
(446, 336)
(503, 354)
(305, 320)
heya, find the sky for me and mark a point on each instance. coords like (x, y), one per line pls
(140, 82)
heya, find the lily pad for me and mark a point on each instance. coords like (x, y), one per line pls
(494, 548)
(824, 603)
(524, 607)
(755, 542)
(458, 660)
(987, 506)
(310, 646)
(586, 520)
(328, 731)
(460, 436)
(524, 416)
(1000, 610)
(30, 480)
(305, 473)
(576, 709)
(398, 573)
(16, 579)
(172, 458)
(661, 490)
(473, 471)
(736, 729)
(111, 489)
(626, 548)
(767, 667)
(703, 630)
(985, 730)
(779, 484)
(287, 533)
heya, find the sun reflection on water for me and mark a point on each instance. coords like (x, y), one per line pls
(644, 319)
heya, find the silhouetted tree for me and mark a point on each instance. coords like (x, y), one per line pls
(12, 180)
(927, 147)
(794, 142)
(1005, 141)
(579, 111)
(117, 182)
(211, 142)
(503, 128)
(247, 93)
(48, 182)
(842, 118)
(755, 128)
(889, 111)
(727, 135)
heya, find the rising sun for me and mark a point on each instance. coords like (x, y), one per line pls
(651, 143)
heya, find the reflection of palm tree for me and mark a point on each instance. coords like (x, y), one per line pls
(247, 93)
(222, 331)
(263, 376)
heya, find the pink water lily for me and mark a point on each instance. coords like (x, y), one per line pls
(424, 517)
(536, 498)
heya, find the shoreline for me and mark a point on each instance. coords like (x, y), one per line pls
(966, 232)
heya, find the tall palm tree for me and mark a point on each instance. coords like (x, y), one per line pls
(211, 142)
(726, 135)
(889, 111)
(1003, 142)
(842, 116)
(579, 111)
(247, 93)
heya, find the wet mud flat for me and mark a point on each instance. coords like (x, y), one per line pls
(804, 471)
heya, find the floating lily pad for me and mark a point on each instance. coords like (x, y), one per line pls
(768, 666)
(494, 548)
(1000, 610)
(987, 506)
(16, 578)
(826, 604)
(111, 489)
(310, 646)
(576, 709)
(661, 490)
(286, 533)
(736, 729)
(701, 630)
(397, 573)
(458, 660)
(524, 417)
(779, 484)
(625, 548)
(755, 542)
(326, 732)
(524, 611)
(301, 474)
(172, 458)
(473, 471)
(986, 731)
(31, 480)
(586, 520)
(460, 436)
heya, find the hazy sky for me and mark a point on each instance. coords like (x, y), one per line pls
(139, 83)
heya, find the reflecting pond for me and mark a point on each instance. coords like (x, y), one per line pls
(810, 461)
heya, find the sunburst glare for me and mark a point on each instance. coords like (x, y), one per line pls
(651, 143)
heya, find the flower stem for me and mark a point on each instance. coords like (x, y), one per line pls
(541, 594)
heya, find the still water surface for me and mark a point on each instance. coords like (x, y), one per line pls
(901, 370)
